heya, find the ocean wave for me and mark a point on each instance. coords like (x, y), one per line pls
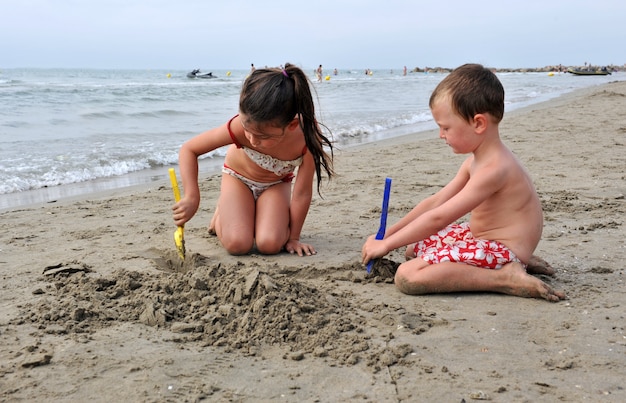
(8, 81)
(14, 124)
(350, 129)
(33, 180)
(102, 115)
(161, 113)
(19, 175)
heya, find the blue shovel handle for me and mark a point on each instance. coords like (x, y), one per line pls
(383, 219)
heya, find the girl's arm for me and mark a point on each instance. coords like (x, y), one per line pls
(188, 155)
(299, 206)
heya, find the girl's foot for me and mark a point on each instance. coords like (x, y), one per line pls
(212, 223)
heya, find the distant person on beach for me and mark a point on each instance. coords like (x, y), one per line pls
(318, 73)
(252, 68)
(274, 140)
(494, 250)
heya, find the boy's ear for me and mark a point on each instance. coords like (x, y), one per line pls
(480, 123)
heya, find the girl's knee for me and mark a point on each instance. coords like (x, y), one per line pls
(237, 245)
(269, 245)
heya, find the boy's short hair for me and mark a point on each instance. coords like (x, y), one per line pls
(472, 89)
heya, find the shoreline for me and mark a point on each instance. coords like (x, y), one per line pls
(147, 178)
(94, 302)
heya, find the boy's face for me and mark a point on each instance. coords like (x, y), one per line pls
(458, 133)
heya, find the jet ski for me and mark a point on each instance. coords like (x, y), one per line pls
(195, 73)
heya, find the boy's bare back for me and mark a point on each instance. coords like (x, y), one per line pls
(512, 215)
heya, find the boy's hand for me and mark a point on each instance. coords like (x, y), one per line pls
(295, 246)
(373, 249)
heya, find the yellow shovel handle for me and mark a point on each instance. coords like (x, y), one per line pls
(174, 185)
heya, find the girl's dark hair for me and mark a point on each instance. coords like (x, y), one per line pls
(277, 95)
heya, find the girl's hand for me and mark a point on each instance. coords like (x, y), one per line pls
(295, 246)
(373, 249)
(184, 210)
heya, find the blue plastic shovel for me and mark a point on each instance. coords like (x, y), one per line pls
(383, 219)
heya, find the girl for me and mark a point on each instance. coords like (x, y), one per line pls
(274, 134)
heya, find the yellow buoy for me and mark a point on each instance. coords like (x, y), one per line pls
(169, 75)
(228, 74)
(327, 78)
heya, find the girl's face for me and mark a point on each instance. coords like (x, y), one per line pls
(262, 136)
(456, 131)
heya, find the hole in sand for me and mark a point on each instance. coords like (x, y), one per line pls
(384, 269)
(170, 261)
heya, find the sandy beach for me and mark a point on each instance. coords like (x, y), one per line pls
(95, 306)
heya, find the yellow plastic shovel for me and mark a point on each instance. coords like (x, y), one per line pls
(179, 235)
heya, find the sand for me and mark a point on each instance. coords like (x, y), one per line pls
(95, 306)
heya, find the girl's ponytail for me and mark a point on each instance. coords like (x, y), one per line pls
(313, 135)
(278, 95)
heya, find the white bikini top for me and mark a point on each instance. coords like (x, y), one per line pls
(267, 162)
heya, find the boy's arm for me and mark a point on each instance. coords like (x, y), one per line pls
(457, 199)
(408, 229)
(435, 200)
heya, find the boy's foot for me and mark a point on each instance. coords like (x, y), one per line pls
(524, 285)
(537, 265)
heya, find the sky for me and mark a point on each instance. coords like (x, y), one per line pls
(232, 34)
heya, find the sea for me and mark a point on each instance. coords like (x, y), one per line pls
(72, 132)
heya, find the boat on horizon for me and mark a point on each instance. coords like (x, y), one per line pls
(195, 73)
(589, 71)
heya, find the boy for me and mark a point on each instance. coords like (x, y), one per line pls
(506, 219)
